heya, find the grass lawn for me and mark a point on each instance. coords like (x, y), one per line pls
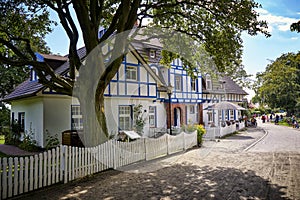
(2, 139)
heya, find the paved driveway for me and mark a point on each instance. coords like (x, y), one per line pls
(218, 170)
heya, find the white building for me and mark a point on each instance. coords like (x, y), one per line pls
(140, 80)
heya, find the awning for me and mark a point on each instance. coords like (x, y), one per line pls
(224, 105)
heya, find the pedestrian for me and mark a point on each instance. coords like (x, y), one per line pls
(276, 119)
(296, 124)
(263, 118)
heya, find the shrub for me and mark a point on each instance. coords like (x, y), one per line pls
(51, 141)
(13, 136)
(28, 143)
(200, 132)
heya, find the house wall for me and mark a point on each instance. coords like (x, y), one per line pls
(57, 116)
(112, 113)
(186, 94)
(34, 118)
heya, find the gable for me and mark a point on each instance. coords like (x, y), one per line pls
(132, 80)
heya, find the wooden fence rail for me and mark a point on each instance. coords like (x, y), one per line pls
(19, 175)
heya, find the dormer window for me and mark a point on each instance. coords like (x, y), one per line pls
(208, 83)
(152, 53)
(193, 84)
(154, 69)
(33, 75)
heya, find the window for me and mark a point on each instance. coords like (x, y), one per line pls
(33, 75)
(131, 72)
(208, 83)
(231, 113)
(154, 70)
(12, 117)
(125, 120)
(21, 121)
(152, 53)
(76, 118)
(192, 109)
(178, 82)
(210, 116)
(152, 116)
(193, 85)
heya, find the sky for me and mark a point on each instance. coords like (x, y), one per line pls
(258, 50)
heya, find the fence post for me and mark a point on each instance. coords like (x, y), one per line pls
(65, 164)
(114, 154)
(16, 177)
(4, 178)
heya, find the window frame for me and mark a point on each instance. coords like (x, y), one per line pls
(178, 86)
(193, 85)
(152, 53)
(192, 109)
(126, 116)
(21, 121)
(208, 83)
(76, 118)
(129, 71)
(152, 115)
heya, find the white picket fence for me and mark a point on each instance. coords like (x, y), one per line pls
(217, 132)
(65, 163)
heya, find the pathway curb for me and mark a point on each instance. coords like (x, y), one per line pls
(257, 141)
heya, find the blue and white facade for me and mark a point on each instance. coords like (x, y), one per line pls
(169, 97)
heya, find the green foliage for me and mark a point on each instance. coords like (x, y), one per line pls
(215, 25)
(139, 119)
(4, 119)
(200, 131)
(2, 139)
(51, 141)
(13, 136)
(24, 26)
(28, 143)
(295, 26)
(279, 86)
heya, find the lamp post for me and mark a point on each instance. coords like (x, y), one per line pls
(169, 92)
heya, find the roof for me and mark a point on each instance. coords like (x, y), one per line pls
(232, 87)
(30, 88)
(54, 57)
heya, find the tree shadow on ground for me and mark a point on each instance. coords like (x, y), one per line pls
(180, 181)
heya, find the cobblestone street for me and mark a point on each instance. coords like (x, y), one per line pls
(218, 170)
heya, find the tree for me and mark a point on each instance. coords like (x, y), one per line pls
(279, 85)
(217, 25)
(295, 26)
(18, 25)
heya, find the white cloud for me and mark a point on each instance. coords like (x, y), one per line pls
(294, 38)
(280, 23)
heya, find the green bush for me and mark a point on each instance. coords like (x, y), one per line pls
(28, 143)
(200, 132)
(51, 141)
